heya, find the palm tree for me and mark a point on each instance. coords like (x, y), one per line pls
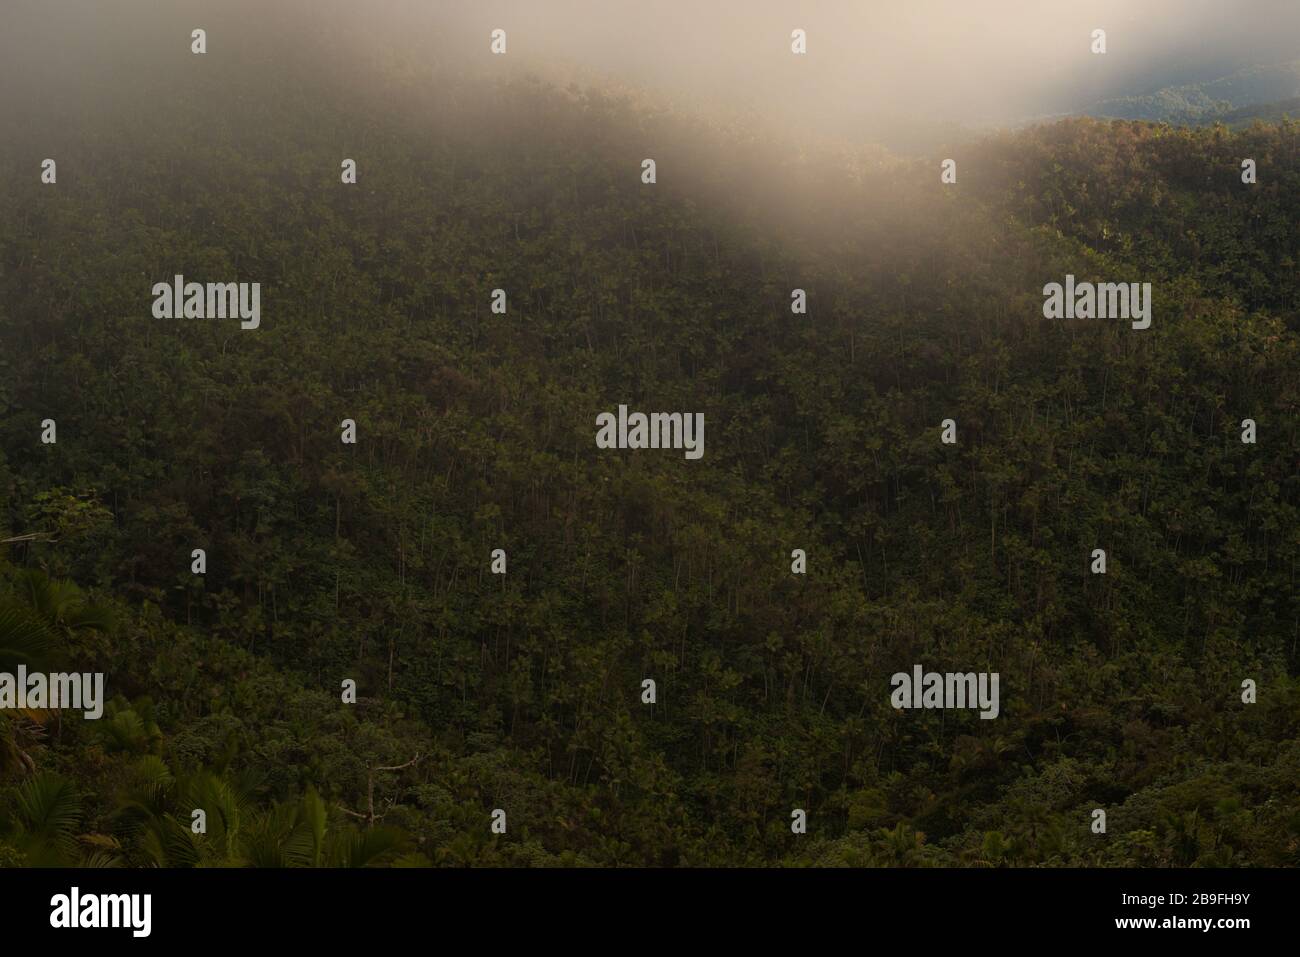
(47, 815)
(155, 816)
(353, 847)
(299, 835)
(38, 625)
(154, 820)
(62, 606)
(24, 640)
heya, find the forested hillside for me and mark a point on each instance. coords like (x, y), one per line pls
(1204, 102)
(475, 430)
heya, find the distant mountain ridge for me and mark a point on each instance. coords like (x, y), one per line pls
(1205, 102)
(1268, 112)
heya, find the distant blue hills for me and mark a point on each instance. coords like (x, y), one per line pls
(1264, 92)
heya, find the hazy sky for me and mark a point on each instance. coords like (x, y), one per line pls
(943, 59)
(871, 64)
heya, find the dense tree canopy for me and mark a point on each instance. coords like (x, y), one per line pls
(475, 432)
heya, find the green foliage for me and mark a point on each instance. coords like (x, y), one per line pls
(522, 691)
(43, 826)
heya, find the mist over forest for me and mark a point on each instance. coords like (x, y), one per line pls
(905, 75)
(498, 585)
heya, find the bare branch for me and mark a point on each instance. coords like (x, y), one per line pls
(399, 767)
